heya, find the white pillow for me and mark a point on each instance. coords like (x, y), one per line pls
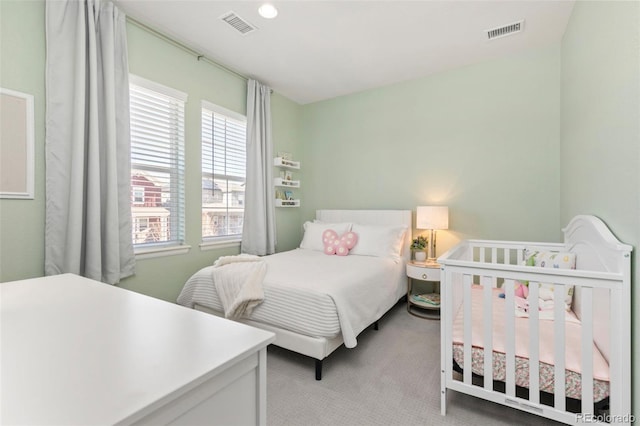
(380, 241)
(312, 239)
(556, 260)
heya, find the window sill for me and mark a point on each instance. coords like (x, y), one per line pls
(222, 244)
(151, 252)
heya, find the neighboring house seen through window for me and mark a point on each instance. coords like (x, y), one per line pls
(138, 193)
(223, 173)
(157, 163)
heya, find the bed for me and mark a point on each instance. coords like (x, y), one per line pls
(315, 302)
(541, 327)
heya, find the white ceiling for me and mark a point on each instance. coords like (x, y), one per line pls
(316, 49)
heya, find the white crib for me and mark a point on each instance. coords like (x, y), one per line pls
(601, 304)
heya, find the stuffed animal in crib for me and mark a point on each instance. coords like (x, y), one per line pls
(521, 290)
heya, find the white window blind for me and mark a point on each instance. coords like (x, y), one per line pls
(223, 172)
(157, 163)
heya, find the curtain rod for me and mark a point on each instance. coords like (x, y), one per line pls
(199, 56)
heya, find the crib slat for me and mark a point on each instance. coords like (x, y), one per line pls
(467, 328)
(494, 259)
(534, 341)
(510, 339)
(489, 281)
(559, 401)
(616, 369)
(587, 350)
(506, 256)
(487, 319)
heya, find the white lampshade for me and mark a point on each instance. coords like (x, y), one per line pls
(432, 217)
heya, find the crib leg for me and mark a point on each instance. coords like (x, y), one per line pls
(443, 393)
(443, 401)
(318, 369)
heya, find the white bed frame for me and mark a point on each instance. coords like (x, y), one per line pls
(602, 275)
(319, 347)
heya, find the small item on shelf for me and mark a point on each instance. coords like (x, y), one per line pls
(430, 299)
(288, 163)
(285, 180)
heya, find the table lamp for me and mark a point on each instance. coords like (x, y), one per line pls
(432, 218)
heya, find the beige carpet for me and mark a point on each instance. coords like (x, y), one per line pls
(391, 378)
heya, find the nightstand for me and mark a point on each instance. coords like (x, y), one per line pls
(423, 305)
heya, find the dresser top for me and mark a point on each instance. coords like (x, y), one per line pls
(76, 351)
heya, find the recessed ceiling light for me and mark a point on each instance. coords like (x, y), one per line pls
(268, 11)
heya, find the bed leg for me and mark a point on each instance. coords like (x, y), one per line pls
(318, 369)
(375, 325)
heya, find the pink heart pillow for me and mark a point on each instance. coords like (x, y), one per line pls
(340, 246)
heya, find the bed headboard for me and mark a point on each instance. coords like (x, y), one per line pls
(373, 217)
(597, 249)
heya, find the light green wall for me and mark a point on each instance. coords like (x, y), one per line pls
(22, 69)
(482, 139)
(600, 148)
(22, 222)
(287, 137)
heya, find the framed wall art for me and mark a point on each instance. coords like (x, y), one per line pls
(16, 145)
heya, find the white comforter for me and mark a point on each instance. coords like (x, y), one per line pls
(363, 288)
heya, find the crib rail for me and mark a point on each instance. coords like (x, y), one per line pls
(492, 267)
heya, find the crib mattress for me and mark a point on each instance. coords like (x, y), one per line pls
(573, 385)
(310, 311)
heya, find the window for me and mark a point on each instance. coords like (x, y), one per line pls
(138, 194)
(157, 163)
(223, 173)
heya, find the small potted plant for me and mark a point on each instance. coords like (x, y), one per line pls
(418, 245)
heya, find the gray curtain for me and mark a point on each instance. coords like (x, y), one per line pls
(88, 210)
(259, 229)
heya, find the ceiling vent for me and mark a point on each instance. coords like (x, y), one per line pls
(505, 30)
(239, 24)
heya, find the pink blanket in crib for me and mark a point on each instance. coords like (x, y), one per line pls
(546, 339)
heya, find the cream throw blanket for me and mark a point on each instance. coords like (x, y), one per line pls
(238, 281)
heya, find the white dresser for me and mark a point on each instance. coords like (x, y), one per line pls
(76, 351)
